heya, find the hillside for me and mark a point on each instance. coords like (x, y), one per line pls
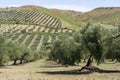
(67, 17)
(32, 36)
(30, 26)
(73, 19)
(107, 15)
(30, 17)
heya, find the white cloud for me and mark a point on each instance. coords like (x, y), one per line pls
(69, 7)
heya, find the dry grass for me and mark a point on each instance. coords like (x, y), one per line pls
(48, 70)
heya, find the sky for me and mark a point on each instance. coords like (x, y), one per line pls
(77, 5)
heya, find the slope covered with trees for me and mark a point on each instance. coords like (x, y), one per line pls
(31, 36)
(29, 17)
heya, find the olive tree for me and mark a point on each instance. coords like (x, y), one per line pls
(91, 42)
(65, 50)
(3, 51)
(94, 38)
(15, 51)
(27, 56)
(113, 51)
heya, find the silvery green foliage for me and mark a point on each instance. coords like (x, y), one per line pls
(65, 50)
(3, 51)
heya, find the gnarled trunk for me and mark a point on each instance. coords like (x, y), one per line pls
(21, 61)
(14, 62)
(89, 62)
(89, 66)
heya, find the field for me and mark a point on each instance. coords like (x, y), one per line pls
(35, 27)
(31, 36)
(48, 70)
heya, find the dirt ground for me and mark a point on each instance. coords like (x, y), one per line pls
(48, 70)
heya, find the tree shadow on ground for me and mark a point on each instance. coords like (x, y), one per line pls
(55, 66)
(77, 72)
(108, 71)
(70, 72)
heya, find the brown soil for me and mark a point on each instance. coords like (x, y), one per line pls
(48, 70)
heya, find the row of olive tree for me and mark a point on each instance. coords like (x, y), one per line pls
(13, 51)
(113, 51)
(93, 41)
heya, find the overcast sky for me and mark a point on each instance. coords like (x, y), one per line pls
(78, 5)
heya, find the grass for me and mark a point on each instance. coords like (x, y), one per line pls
(49, 70)
(67, 18)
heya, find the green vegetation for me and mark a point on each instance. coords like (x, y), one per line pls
(40, 33)
(65, 50)
(3, 51)
(74, 20)
(28, 35)
(13, 51)
(71, 19)
(27, 17)
(14, 22)
(32, 32)
(67, 17)
(93, 40)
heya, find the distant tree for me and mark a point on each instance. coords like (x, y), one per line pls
(3, 51)
(27, 56)
(21, 53)
(118, 32)
(15, 51)
(113, 51)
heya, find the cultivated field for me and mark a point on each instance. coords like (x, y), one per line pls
(35, 29)
(30, 17)
(48, 70)
(31, 36)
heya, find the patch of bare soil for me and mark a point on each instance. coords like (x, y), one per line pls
(49, 70)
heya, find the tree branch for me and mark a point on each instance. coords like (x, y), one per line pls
(116, 36)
